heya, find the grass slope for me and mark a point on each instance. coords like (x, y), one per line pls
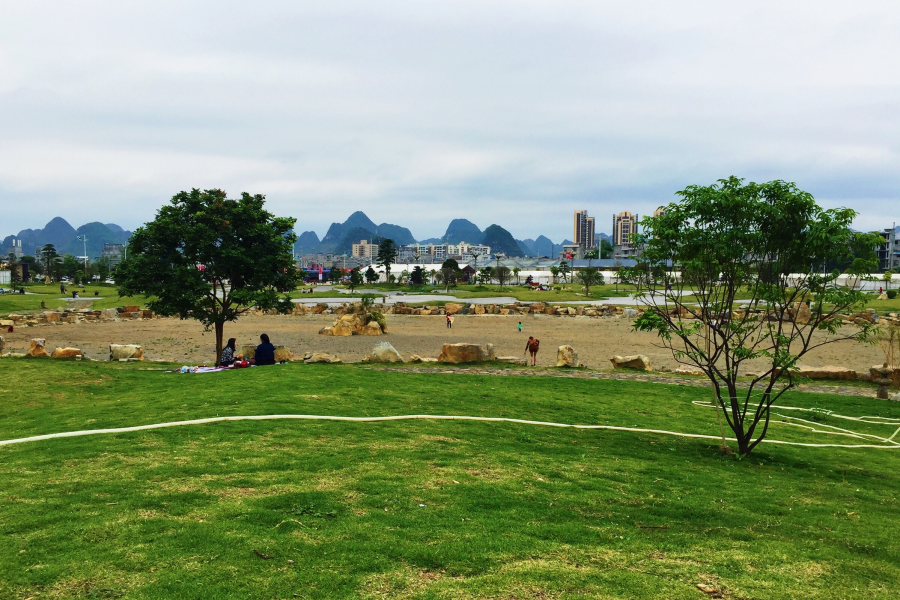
(423, 509)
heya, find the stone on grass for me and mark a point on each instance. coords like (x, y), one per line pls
(689, 370)
(126, 352)
(825, 372)
(383, 352)
(466, 353)
(415, 358)
(513, 360)
(66, 353)
(36, 349)
(896, 397)
(630, 313)
(566, 356)
(283, 353)
(320, 357)
(635, 361)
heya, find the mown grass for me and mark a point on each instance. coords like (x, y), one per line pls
(284, 509)
(49, 294)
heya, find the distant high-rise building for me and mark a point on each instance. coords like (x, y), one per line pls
(624, 224)
(659, 211)
(364, 250)
(16, 249)
(584, 230)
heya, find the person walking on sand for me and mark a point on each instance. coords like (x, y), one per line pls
(533, 345)
(449, 320)
(520, 326)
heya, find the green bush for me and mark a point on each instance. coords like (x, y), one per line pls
(891, 294)
(378, 317)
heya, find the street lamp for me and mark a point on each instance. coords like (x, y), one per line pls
(83, 239)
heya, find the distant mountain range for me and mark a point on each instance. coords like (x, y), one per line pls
(338, 239)
(358, 226)
(64, 238)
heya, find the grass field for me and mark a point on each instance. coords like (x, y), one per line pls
(49, 294)
(424, 509)
(520, 293)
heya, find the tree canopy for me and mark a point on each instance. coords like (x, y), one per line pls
(770, 242)
(210, 258)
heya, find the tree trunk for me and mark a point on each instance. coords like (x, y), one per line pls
(220, 329)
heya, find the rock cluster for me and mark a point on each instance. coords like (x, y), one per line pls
(353, 324)
(62, 316)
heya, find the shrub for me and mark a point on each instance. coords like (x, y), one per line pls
(378, 317)
(891, 294)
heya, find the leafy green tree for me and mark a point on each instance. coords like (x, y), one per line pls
(589, 276)
(516, 272)
(502, 275)
(592, 254)
(564, 270)
(335, 275)
(450, 273)
(606, 249)
(770, 242)
(210, 258)
(51, 259)
(485, 275)
(371, 275)
(387, 255)
(356, 278)
(69, 265)
(103, 269)
(554, 270)
(417, 277)
(887, 276)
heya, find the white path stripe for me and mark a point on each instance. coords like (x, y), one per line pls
(50, 436)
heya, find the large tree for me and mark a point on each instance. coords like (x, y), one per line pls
(589, 276)
(450, 272)
(768, 243)
(211, 258)
(387, 255)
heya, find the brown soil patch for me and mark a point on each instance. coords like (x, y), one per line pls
(596, 340)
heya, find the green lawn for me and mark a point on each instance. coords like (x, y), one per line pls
(520, 293)
(49, 294)
(424, 509)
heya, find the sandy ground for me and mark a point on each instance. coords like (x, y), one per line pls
(596, 340)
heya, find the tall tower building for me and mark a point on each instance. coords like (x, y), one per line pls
(624, 224)
(584, 231)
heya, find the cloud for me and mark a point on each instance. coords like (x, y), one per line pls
(513, 113)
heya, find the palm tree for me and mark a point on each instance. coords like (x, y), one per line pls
(516, 273)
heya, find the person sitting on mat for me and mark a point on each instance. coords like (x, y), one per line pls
(228, 353)
(265, 352)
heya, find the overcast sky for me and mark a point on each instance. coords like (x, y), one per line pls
(514, 113)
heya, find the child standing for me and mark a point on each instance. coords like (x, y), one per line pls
(520, 326)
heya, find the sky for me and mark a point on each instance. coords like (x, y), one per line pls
(515, 113)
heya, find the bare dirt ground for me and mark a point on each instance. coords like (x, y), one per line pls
(596, 340)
